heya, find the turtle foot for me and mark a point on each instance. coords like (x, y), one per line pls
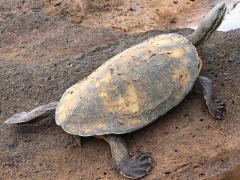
(135, 167)
(217, 108)
(76, 141)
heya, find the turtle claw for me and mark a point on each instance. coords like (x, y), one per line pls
(135, 167)
(217, 108)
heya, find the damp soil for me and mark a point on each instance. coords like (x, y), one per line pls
(41, 55)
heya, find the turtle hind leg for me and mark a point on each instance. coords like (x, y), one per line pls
(216, 107)
(131, 167)
(36, 114)
(136, 166)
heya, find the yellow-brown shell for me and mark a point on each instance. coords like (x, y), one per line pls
(132, 89)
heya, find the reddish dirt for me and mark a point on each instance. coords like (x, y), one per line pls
(126, 15)
(41, 31)
(42, 54)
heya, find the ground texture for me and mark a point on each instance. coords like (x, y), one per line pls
(41, 56)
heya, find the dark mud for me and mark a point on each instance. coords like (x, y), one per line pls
(185, 144)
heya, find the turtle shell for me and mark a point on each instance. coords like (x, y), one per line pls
(132, 89)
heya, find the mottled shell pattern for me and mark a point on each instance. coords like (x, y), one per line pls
(132, 89)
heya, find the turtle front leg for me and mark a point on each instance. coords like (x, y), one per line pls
(131, 167)
(215, 106)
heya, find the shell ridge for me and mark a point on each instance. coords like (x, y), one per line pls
(135, 86)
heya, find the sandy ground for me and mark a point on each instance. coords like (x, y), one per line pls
(125, 15)
(41, 31)
(44, 51)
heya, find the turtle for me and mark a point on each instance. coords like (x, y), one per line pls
(133, 89)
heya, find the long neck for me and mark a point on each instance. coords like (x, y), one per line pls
(202, 33)
(208, 25)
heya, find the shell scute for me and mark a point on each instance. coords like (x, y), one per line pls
(132, 89)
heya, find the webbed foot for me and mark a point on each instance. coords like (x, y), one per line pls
(132, 167)
(135, 167)
(216, 107)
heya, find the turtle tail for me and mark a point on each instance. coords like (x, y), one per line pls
(36, 114)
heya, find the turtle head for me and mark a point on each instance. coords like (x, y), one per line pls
(208, 25)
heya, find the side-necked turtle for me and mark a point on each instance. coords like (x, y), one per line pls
(133, 89)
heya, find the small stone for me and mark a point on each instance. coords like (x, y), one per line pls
(173, 20)
(175, 2)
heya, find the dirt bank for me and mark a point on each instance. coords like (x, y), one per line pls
(46, 46)
(186, 143)
(41, 31)
(125, 15)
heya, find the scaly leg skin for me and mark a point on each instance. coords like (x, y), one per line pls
(76, 141)
(39, 112)
(132, 167)
(215, 106)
